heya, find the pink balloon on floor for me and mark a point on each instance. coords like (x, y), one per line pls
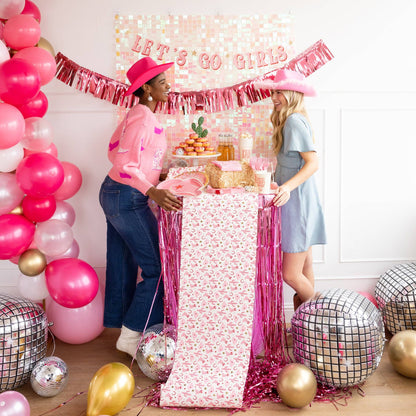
(71, 282)
(13, 403)
(76, 325)
(38, 209)
(10, 8)
(10, 193)
(36, 107)
(12, 125)
(32, 10)
(21, 31)
(72, 182)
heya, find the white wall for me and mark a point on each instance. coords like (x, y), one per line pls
(363, 118)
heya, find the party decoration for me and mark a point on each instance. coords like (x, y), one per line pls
(396, 295)
(45, 44)
(13, 403)
(21, 31)
(51, 150)
(402, 352)
(64, 212)
(10, 8)
(38, 134)
(71, 282)
(32, 10)
(19, 81)
(49, 376)
(32, 262)
(71, 183)
(370, 297)
(36, 107)
(23, 339)
(4, 52)
(76, 325)
(296, 385)
(72, 252)
(53, 237)
(339, 336)
(38, 209)
(32, 287)
(16, 234)
(156, 352)
(11, 157)
(10, 193)
(110, 390)
(12, 125)
(40, 174)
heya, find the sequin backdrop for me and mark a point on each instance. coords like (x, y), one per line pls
(225, 36)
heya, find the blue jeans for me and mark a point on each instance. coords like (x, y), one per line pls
(132, 242)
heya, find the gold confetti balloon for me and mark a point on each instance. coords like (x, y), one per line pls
(32, 262)
(402, 353)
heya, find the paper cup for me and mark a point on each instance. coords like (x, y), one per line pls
(263, 178)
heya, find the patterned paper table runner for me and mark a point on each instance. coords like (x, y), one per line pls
(217, 293)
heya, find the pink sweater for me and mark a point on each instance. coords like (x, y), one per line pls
(136, 149)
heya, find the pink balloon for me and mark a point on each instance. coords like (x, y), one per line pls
(71, 282)
(64, 212)
(12, 125)
(76, 325)
(32, 10)
(4, 52)
(52, 150)
(38, 209)
(21, 31)
(53, 237)
(13, 403)
(370, 297)
(16, 234)
(72, 182)
(38, 134)
(10, 193)
(72, 252)
(40, 174)
(41, 59)
(10, 8)
(36, 107)
(19, 81)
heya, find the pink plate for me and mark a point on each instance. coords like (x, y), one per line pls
(182, 187)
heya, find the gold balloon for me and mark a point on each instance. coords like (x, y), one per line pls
(44, 44)
(296, 385)
(32, 262)
(110, 390)
(402, 352)
(17, 211)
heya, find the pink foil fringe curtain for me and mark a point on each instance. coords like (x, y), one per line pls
(188, 102)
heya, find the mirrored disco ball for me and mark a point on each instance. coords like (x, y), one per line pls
(49, 376)
(156, 352)
(23, 339)
(339, 336)
(396, 295)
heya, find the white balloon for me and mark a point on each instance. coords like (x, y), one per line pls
(10, 193)
(33, 287)
(11, 8)
(38, 134)
(4, 52)
(53, 237)
(11, 157)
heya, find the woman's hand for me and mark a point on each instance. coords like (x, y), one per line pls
(282, 196)
(164, 199)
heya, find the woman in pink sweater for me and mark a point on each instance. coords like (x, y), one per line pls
(136, 151)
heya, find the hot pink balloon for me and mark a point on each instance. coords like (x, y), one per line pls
(19, 81)
(22, 31)
(64, 212)
(51, 150)
(4, 52)
(71, 282)
(38, 134)
(72, 182)
(38, 209)
(13, 403)
(40, 174)
(53, 237)
(10, 8)
(76, 325)
(41, 59)
(10, 193)
(16, 234)
(12, 125)
(36, 107)
(32, 10)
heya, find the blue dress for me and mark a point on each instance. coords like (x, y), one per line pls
(302, 217)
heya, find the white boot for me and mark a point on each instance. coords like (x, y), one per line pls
(128, 341)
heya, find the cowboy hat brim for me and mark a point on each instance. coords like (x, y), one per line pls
(287, 85)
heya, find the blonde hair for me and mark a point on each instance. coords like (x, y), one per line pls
(295, 104)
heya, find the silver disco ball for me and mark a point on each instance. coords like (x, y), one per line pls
(49, 377)
(396, 295)
(23, 340)
(339, 336)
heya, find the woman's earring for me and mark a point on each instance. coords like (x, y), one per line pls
(150, 98)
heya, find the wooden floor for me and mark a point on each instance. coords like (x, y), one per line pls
(385, 391)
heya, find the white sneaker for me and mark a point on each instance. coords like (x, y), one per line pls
(128, 341)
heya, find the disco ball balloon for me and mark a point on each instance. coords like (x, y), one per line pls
(156, 352)
(49, 377)
(339, 336)
(396, 295)
(23, 339)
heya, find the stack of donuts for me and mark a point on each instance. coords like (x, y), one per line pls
(194, 146)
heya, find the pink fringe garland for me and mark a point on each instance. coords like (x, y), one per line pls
(188, 102)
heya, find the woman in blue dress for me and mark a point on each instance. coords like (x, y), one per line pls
(297, 160)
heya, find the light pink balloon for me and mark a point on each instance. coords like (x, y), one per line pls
(71, 253)
(41, 59)
(21, 31)
(10, 193)
(76, 325)
(71, 282)
(38, 209)
(12, 125)
(51, 150)
(10, 8)
(13, 403)
(36, 107)
(53, 237)
(72, 182)
(64, 212)
(11, 157)
(4, 52)
(38, 134)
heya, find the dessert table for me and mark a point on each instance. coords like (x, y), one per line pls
(221, 262)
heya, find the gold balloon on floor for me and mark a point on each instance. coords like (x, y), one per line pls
(44, 44)
(296, 385)
(402, 352)
(110, 390)
(32, 262)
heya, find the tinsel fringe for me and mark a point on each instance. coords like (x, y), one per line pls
(188, 102)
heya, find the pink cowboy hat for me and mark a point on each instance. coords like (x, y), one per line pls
(287, 80)
(143, 70)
